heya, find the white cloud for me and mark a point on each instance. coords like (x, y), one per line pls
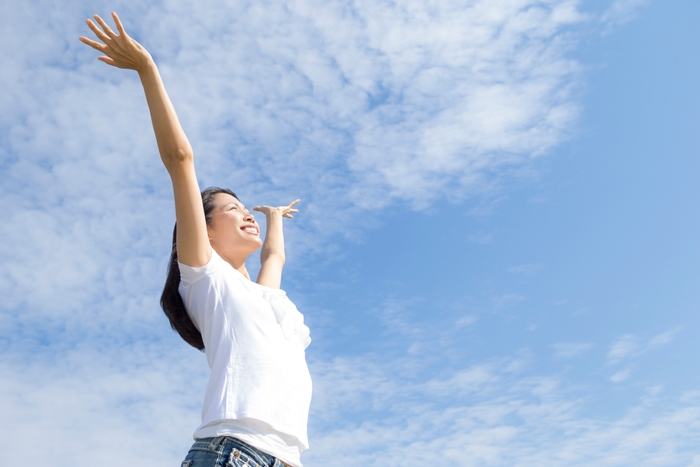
(625, 346)
(690, 396)
(131, 407)
(117, 407)
(525, 269)
(628, 346)
(349, 106)
(664, 337)
(481, 238)
(506, 300)
(620, 376)
(488, 413)
(566, 350)
(621, 12)
(466, 320)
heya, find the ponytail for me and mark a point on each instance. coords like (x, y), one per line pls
(174, 307)
(170, 299)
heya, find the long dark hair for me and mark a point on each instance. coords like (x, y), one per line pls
(170, 299)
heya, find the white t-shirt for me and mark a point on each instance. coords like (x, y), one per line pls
(255, 339)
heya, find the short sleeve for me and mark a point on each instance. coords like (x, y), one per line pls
(190, 275)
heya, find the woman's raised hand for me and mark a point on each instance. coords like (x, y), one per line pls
(285, 211)
(119, 50)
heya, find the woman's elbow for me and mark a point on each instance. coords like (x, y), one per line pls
(177, 158)
(179, 154)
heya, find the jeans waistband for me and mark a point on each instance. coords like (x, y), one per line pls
(261, 457)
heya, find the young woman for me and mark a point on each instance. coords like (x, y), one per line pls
(257, 400)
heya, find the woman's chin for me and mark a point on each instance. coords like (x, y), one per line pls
(254, 245)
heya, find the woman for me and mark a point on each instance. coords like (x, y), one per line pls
(257, 400)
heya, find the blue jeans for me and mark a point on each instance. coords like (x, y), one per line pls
(225, 451)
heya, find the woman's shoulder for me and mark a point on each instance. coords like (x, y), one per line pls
(216, 266)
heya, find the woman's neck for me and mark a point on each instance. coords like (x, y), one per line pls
(237, 262)
(243, 271)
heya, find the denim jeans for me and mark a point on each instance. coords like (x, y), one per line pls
(225, 451)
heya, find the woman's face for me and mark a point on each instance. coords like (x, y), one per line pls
(233, 229)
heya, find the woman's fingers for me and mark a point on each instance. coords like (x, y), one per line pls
(118, 50)
(105, 27)
(286, 211)
(107, 60)
(120, 27)
(95, 45)
(98, 32)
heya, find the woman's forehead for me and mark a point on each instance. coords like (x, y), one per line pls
(224, 199)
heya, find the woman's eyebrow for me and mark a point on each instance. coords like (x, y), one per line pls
(235, 204)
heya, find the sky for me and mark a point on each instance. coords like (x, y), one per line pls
(497, 247)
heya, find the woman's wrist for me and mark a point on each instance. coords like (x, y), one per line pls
(273, 216)
(148, 67)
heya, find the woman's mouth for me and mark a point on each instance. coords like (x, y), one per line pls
(251, 229)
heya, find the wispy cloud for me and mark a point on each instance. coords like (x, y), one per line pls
(566, 350)
(525, 269)
(621, 12)
(466, 320)
(664, 337)
(349, 105)
(366, 408)
(624, 347)
(506, 300)
(628, 346)
(621, 375)
(491, 413)
(481, 238)
(90, 404)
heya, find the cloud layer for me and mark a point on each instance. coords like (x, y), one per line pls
(347, 105)
(350, 105)
(492, 412)
(129, 407)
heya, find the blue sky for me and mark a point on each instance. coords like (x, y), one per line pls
(497, 251)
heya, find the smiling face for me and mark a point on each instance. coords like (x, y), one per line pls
(233, 231)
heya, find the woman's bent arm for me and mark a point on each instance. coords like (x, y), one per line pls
(272, 255)
(122, 51)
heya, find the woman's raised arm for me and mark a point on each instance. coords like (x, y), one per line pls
(122, 51)
(272, 257)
